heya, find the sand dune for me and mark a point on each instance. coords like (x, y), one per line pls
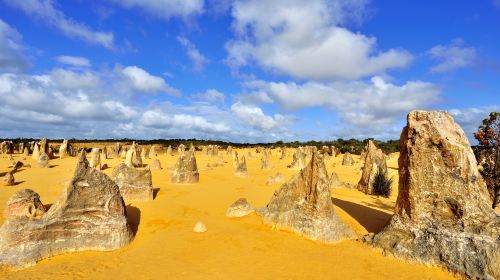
(165, 247)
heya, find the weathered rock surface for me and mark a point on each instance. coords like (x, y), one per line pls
(336, 183)
(133, 158)
(156, 164)
(181, 149)
(95, 158)
(264, 161)
(239, 208)
(185, 170)
(443, 213)
(152, 152)
(169, 151)
(347, 159)
(7, 147)
(134, 184)
(240, 166)
(276, 179)
(24, 203)
(8, 179)
(299, 159)
(303, 205)
(36, 152)
(63, 149)
(43, 161)
(44, 146)
(374, 162)
(90, 215)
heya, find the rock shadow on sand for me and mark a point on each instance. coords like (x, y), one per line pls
(133, 218)
(371, 219)
(155, 192)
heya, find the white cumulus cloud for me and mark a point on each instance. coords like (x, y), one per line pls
(164, 9)
(452, 56)
(12, 56)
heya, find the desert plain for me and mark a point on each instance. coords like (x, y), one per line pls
(165, 246)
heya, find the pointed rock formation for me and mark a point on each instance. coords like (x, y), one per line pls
(36, 152)
(304, 205)
(24, 204)
(26, 151)
(7, 147)
(90, 215)
(169, 151)
(283, 153)
(336, 183)
(240, 167)
(374, 162)
(185, 170)
(181, 149)
(264, 161)
(44, 146)
(144, 154)
(95, 158)
(134, 184)
(239, 208)
(347, 159)
(276, 179)
(63, 149)
(443, 212)
(156, 164)
(152, 151)
(133, 158)
(299, 159)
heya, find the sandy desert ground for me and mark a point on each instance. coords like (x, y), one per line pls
(165, 246)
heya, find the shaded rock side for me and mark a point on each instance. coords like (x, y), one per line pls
(374, 162)
(89, 215)
(134, 184)
(443, 213)
(304, 205)
(185, 170)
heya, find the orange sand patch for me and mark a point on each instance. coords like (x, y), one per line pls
(165, 247)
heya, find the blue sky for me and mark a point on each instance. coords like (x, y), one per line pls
(243, 71)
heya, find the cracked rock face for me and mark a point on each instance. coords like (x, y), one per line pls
(185, 170)
(443, 212)
(304, 205)
(89, 215)
(134, 184)
(374, 162)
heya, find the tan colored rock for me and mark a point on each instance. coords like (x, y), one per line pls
(335, 182)
(44, 146)
(24, 203)
(240, 168)
(185, 170)
(7, 147)
(95, 158)
(156, 164)
(134, 184)
(199, 227)
(264, 162)
(347, 160)
(299, 159)
(63, 149)
(26, 151)
(43, 161)
(239, 208)
(123, 154)
(169, 151)
(303, 205)
(133, 158)
(276, 179)
(36, 152)
(181, 149)
(374, 162)
(283, 153)
(144, 154)
(90, 215)
(8, 179)
(152, 151)
(443, 212)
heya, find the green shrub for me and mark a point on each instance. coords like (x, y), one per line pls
(382, 184)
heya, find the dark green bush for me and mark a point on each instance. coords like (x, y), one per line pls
(382, 184)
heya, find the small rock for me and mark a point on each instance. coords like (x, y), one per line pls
(239, 208)
(199, 227)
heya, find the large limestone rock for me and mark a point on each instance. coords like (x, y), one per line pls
(347, 159)
(443, 212)
(152, 152)
(95, 158)
(134, 184)
(24, 203)
(89, 215)
(374, 162)
(44, 146)
(304, 205)
(185, 170)
(181, 149)
(43, 161)
(7, 147)
(299, 159)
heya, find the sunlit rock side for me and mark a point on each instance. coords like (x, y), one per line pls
(134, 184)
(443, 212)
(185, 170)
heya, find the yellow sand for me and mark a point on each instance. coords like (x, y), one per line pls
(165, 247)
